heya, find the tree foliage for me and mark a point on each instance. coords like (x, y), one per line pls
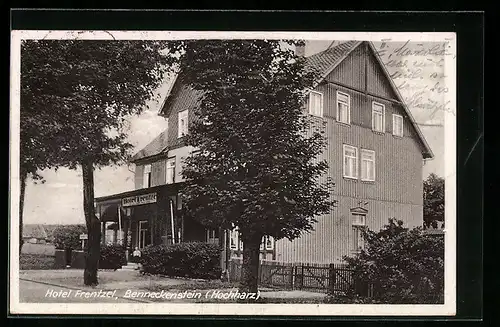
(257, 165)
(433, 201)
(255, 168)
(403, 265)
(76, 96)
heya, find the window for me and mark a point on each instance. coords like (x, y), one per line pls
(212, 236)
(316, 103)
(269, 242)
(143, 234)
(358, 223)
(367, 165)
(378, 117)
(358, 220)
(233, 245)
(182, 129)
(350, 161)
(146, 180)
(397, 125)
(343, 108)
(170, 171)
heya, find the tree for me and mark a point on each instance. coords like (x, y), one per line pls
(433, 201)
(76, 96)
(404, 265)
(257, 167)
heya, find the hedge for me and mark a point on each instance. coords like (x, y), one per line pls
(112, 257)
(68, 236)
(191, 260)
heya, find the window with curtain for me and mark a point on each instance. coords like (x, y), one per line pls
(378, 117)
(316, 103)
(350, 161)
(343, 108)
(367, 165)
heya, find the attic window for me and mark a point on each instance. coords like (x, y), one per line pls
(397, 125)
(343, 108)
(378, 117)
(316, 103)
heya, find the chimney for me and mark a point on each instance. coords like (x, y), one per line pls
(300, 50)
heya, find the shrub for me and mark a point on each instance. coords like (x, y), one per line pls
(402, 265)
(191, 260)
(112, 256)
(68, 236)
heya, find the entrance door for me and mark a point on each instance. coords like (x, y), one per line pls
(143, 234)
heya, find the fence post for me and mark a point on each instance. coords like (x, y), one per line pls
(292, 276)
(331, 278)
(302, 276)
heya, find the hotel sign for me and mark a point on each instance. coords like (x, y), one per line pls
(139, 199)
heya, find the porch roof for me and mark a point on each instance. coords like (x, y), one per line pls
(117, 197)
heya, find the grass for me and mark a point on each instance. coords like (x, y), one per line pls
(36, 261)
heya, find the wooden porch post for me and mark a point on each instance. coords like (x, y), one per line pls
(103, 232)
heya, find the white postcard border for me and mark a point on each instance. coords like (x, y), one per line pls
(449, 308)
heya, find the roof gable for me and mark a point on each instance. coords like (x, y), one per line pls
(327, 61)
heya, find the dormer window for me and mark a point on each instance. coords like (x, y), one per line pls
(316, 103)
(182, 128)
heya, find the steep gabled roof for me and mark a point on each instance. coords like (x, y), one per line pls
(324, 62)
(155, 147)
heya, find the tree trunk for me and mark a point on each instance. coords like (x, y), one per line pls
(93, 250)
(24, 176)
(251, 262)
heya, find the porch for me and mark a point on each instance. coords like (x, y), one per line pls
(143, 217)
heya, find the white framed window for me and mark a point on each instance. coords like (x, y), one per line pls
(143, 234)
(343, 108)
(358, 240)
(182, 128)
(234, 239)
(212, 236)
(146, 178)
(316, 103)
(378, 117)
(358, 220)
(170, 171)
(269, 242)
(350, 161)
(358, 223)
(397, 125)
(367, 165)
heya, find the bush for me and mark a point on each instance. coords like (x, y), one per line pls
(401, 265)
(191, 260)
(68, 236)
(112, 256)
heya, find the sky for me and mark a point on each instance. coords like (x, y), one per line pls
(417, 74)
